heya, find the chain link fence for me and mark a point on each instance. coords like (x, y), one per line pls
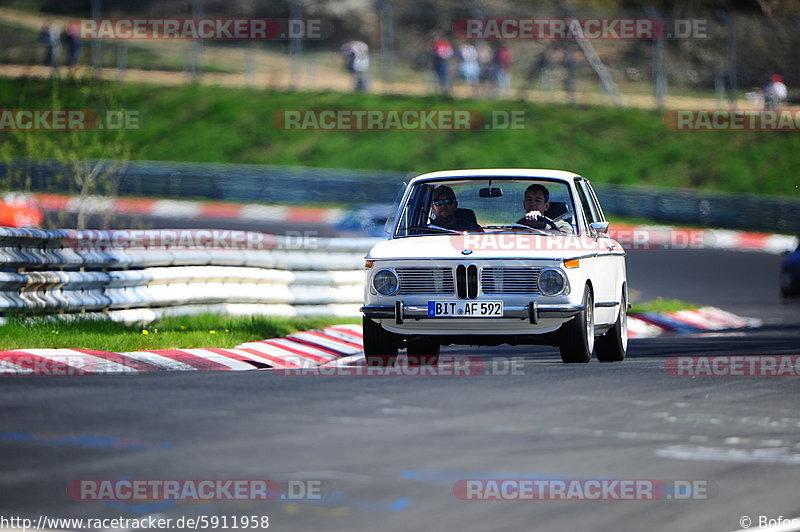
(708, 58)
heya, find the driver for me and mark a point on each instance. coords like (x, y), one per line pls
(447, 214)
(536, 203)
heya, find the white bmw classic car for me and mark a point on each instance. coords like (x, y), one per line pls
(490, 257)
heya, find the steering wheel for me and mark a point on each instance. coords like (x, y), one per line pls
(547, 221)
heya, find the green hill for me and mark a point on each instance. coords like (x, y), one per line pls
(214, 124)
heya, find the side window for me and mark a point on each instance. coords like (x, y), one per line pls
(596, 204)
(585, 204)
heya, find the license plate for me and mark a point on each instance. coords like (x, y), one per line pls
(465, 309)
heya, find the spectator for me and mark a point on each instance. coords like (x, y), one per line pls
(469, 69)
(49, 37)
(775, 92)
(485, 62)
(502, 66)
(71, 38)
(442, 51)
(570, 74)
(356, 55)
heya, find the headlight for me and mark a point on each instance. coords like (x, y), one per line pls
(385, 283)
(552, 282)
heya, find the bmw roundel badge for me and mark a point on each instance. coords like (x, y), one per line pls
(466, 252)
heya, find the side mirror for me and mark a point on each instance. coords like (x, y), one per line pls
(599, 227)
(490, 192)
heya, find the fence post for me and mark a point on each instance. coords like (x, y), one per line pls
(386, 17)
(96, 7)
(295, 45)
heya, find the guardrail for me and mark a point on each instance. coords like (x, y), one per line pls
(140, 276)
(284, 185)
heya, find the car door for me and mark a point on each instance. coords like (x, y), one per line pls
(607, 270)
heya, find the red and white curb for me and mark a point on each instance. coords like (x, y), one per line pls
(705, 319)
(338, 345)
(180, 209)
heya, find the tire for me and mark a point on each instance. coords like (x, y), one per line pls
(380, 346)
(613, 345)
(577, 335)
(786, 285)
(422, 351)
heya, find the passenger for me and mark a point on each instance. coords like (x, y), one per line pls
(446, 213)
(536, 203)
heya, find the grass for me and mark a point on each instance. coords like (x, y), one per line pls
(185, 332)
(662, 305)
(608, 145)
(209, 330)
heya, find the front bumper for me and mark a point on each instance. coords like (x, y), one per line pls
(532, 312)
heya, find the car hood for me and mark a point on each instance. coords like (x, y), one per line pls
(493, 246)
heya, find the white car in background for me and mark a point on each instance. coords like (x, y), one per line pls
(558, 279)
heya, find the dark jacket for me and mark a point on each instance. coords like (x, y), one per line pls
(463, 220)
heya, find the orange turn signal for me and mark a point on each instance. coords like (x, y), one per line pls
(369, 264)
(572, 263)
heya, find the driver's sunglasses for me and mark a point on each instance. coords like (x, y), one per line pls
(440, 202)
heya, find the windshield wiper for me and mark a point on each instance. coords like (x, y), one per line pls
(520, 226)
(435, 228)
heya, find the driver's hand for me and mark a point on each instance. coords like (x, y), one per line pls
(533, 215)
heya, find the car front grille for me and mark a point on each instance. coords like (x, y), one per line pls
(510, 280)
(426, 281)
(442, 281)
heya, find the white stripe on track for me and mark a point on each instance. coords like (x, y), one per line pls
(273, 350)
(329, 342)
(82, 361)
(342, 335)
(236, 365)
(161, 361)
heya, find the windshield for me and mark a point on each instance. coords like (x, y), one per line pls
(488, 205)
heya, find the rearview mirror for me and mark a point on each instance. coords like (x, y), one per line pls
(599, 227)
(490, 192)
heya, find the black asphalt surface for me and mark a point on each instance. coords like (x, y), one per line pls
(389, 450)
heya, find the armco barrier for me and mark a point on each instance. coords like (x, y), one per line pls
(282, 185)
(82, 273)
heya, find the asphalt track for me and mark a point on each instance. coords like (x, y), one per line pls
(389, 450)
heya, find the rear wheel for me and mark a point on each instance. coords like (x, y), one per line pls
(612, 346)
(577, 335)
(380, 345)
(422, 351)
(786, 285)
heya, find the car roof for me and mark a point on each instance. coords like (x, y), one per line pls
(560, 175)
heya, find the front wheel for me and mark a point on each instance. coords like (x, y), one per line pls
(612, 346)
(422, 351)
(577, 335)
(380, 345)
